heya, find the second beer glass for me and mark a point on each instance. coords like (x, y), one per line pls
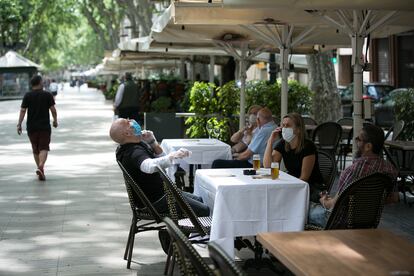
(256, 162)
(274, 170)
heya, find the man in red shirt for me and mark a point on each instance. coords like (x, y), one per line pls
(368, 161)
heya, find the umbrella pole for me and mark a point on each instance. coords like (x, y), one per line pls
(284, 66)
(211, 69)
(357, 45)
(243, 77)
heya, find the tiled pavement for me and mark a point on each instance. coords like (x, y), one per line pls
(76, 222)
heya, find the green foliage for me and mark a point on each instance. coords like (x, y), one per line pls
(202, 102)
(300, 98)
(111, 91)
(214, 107)
(162, 104)
(404, 110)
(265, 94)
(224, 102)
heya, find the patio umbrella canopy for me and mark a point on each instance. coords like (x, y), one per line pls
(268, 26)
(237, 40)
(355, 19)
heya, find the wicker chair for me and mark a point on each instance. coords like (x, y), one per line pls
(395, 130)
(225, 266)
(147, 213)
(191, 224)
(326, 136)
(327, 167)
(360, 205)
(309, 120)
(189, 260)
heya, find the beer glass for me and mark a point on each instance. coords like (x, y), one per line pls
(256, 162)
(274, 170)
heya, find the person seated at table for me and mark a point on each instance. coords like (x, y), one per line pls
(243, 137)
(298, 153)
(265, 126)
(139, 152)
(367, 161)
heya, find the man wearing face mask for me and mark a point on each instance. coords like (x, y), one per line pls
(265, 126)
(367, 161)
(243, 137)
(298, 154)
(139, 152)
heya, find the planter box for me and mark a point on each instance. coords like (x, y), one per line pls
(164, 125)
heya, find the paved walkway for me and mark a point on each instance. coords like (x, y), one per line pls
(76, 222)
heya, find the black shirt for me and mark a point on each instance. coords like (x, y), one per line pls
(293, 161)
(38, 103)
(131, 157)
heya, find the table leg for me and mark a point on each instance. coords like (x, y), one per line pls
(190, 179)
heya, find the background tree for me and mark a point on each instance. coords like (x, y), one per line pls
(327, 103)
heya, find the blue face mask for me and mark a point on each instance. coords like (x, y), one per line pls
(136, 127)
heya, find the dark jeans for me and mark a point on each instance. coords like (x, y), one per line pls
(222, 164)
(200, 209)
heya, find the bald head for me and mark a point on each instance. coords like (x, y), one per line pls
(121, 132)
(264, 115)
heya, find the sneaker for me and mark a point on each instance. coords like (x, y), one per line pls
(164, 240)
(40, 174)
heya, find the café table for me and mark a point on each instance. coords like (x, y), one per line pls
(341, 252)
(243, 205)
(204, 152)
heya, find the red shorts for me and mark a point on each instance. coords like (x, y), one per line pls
(40, 140)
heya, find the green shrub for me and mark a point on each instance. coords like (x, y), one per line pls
(404, 110)
(162, 104)
(206, 99)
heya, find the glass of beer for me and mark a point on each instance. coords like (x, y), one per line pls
(256, 162)
(274, 170)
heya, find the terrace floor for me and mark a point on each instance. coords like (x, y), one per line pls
(77, 222)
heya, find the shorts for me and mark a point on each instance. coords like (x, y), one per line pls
(40, 140)
(54, 93)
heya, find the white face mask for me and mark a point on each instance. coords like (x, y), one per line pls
(252, 119)
(287, 134)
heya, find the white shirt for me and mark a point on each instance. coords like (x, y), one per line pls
(119, 95)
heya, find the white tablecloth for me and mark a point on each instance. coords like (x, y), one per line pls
(244, 206)
(204, 151)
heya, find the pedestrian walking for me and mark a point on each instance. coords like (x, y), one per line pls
(53, 88)
(37, 103)
(127, 99)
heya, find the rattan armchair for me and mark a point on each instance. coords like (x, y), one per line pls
(144, 218)
(360, 205)
(189, 260)
(326, 137)
(190, 224)
(327, 167)
(224, 265)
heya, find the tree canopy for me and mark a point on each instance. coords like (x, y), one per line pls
(68, 33)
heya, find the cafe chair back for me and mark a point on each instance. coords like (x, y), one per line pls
(144, 215)
(360, 205)
(190, 224)
(396, 130)
(327, 136)
(189, 260)
(327, 167)
(307, 120)
(224, 265)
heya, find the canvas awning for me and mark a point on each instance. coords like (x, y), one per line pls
(13, 60)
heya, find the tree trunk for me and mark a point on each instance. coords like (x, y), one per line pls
(327, 102)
